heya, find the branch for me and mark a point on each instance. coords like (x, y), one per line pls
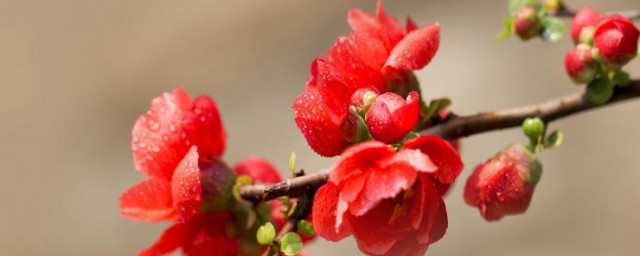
(632, 14)
(452, 128)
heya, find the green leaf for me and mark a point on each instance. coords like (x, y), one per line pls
(554, 140)
(507, 29)
(292, 161)
(306, 228)
(619, 78)
(516, 5)
(241, 180)
(553, 29)
(599, 91)
(290, 244)
(435, 106)
(266, 233)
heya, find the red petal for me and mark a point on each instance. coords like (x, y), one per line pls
(156, 136)
(324, 214)
(414, 158)
(410, 25)
(434, 223)
(383, 184)
(359, 59)
(258, 169)
(382, 26)
(586, 17)
(416, 49)
(172, 238)
(408, 246)
(211, 243)
(371, 230)
(319, 125)
(357, 159)
(161, 137)
(186, 188)
(149, 200)
(441, 153)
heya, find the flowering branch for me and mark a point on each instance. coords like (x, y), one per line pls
(452, 128)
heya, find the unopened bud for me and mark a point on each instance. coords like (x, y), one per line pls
(504, 184)
(580, 64)
(526, 23)
(217, 185)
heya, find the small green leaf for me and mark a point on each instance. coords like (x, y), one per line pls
(435, 106)
(516, 5)
(507, 29)
(306, 228)
(266, 233)
(292, 161)
(242, 180)
(599, 91)
(290, 244)
(554, 140)
(619, 78)
(292, 209)
(553, 29)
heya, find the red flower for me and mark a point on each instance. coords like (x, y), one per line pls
(387, 199)
(503, 185)
(585, 18)
(377, 56)
(259, 169)
(168, 143)
(390, 118)
(617, 39)
(580, 64)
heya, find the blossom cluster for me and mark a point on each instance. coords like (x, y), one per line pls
(178, 144)
(603, 45)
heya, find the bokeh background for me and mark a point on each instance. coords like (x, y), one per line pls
(75, 74)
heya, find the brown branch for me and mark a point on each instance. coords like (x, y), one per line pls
(564, 12)
(452, 128)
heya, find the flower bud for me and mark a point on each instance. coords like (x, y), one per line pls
(504, 184)
(390, 118)
(552, 5)
(616, 38)
(584, 19)
(526, 23)
(580, 64)
(217, 184)
(363, 98)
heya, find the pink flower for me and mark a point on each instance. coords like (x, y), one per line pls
(387, 199)
(377, 56)
(504, 184)
(585, 18)
(616, 38)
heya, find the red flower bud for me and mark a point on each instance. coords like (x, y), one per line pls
(616, 38)
(580, 64)
(390, 118)
(586, 17)
(526, 24)
(503, 185)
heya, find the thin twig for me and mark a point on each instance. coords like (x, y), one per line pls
(452, 128)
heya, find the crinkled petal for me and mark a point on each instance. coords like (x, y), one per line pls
(434, 224)
(410, 25)
(324, 214)
(204, 128)
(149, 200)
(441, 153)
(186, 188)
(383, 184)
(357, 159)
(382, 26)
(372, 231)
(258, 169)
(416, 49)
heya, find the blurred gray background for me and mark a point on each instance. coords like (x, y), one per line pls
(76, 74)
